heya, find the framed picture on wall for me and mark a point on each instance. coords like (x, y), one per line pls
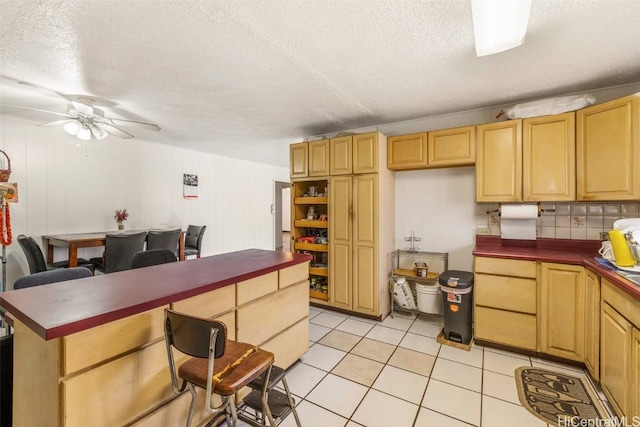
(190, 186)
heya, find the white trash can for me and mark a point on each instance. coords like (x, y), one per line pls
(429, 299)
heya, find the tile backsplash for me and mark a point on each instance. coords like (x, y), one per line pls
(581, 221)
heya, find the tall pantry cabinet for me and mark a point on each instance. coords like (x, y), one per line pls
(360, 224)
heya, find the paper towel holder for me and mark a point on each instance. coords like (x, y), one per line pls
(540, 210)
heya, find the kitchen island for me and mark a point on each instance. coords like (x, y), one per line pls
(91, 351)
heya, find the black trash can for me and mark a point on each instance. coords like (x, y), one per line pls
(457, 305)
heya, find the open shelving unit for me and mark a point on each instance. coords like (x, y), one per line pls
(310, 231)
(402, 262)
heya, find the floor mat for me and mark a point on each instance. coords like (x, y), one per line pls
(558, 398)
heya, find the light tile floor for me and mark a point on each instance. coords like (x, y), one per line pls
(360, 372)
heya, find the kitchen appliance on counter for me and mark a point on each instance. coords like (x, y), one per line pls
(625, 244)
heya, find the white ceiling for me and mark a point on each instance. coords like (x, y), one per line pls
(245, 78)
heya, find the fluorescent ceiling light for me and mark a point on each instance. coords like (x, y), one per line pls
(499, 25)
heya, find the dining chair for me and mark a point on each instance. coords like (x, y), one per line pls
(165, 239)
(118, 251)
(36, 260)
(193, 240)
(217, 365)
(51, 276)
(152, 257)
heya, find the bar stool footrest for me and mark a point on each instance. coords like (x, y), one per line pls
(277, 374)
(278, 403)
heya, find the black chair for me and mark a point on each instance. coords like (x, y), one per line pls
(193, 240)
(36, 260)
(217, 365)
(164, 240)
(52, 276)
(152, 257)
(118, 251)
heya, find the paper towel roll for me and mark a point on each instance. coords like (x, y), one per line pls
(519, 211)
(518, 221)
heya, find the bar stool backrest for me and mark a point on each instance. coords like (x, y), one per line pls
(192, 335)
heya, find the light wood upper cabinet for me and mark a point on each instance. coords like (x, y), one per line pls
(319, 158)
(406, 152)
(341, 154)
(562, 300)
(499, 162)
(365, 152)
(608, 150)
(436, 149)
(592, 324)
(548, 168)
(298, 160)
(452, 147)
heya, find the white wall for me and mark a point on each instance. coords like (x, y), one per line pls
(63, 191)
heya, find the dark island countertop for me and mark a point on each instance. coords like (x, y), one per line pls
(564, 251)
(64, 308)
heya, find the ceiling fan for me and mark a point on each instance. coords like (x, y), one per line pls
(85, 121)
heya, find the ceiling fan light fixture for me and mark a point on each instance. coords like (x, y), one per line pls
(99, 131)
(499, 25)
(84, 134)
(73, 127)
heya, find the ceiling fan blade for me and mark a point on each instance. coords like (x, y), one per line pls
(35, 109)
(117, 132)
(123, 122)
(81, 108)
(57, 122)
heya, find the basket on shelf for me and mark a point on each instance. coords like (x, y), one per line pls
(5, 173)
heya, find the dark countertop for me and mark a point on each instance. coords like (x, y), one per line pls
(564, 251)
(64, 308)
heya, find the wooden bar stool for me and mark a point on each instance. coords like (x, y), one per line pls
(217, 365)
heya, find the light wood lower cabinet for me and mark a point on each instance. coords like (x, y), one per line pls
(592, 324)
(354, 249)
(562, 300)
(634, 410)
(117, 373)
(615, 354)
(505, 302)
(506, 327)
(619, 350)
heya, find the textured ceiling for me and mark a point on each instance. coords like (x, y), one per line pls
(245, 78)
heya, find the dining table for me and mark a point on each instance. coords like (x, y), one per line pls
(75, 241)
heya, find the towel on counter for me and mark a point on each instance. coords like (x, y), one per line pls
(606, 263)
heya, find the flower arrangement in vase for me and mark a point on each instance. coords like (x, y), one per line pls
(120, 217)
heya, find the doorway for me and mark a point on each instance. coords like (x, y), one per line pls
(282, 216)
